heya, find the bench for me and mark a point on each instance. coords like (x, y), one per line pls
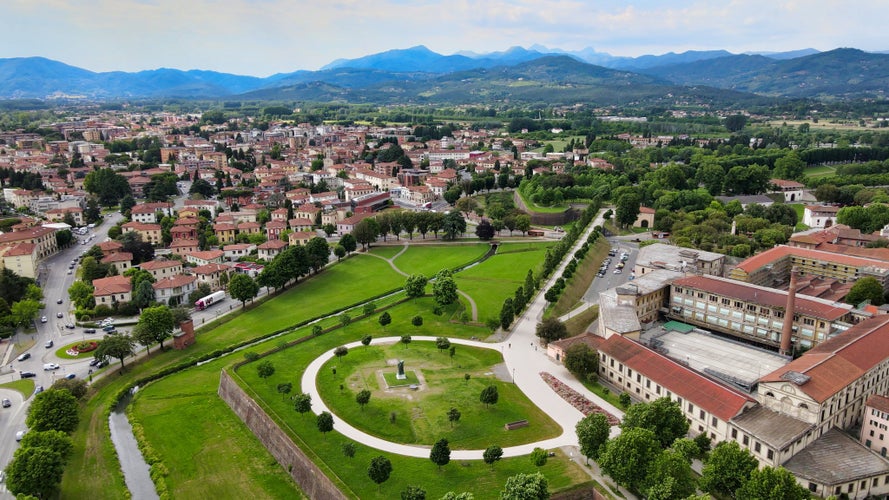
(516, 425)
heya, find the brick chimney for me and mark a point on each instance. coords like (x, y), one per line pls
(789, 310)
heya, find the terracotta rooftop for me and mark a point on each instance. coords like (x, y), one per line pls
(879, 402)
(174, 281)
(210, 268)
(117, 257)
(754, 294)
(765, 258)
(112, 285)
(207, 254)
(151, 265)
(688, 384)
(840, 360)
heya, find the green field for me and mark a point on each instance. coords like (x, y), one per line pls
(537, 208)
(25, 387)
(819, 171)
(428, 260)
(490, 282)
(424, 415)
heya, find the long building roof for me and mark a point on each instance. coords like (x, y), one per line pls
(760, 260)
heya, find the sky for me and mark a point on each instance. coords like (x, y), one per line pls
(263, 37)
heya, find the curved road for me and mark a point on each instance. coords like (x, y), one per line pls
(524, 358)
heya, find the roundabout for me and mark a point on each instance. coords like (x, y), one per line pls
(309, 385)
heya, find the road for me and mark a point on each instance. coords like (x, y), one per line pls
(55, 281)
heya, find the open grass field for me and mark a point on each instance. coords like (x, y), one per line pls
(819, 171)
(442, 386)
(428, 260)
(94, 455)
(490, 282)
(389, 250)
(25, 387)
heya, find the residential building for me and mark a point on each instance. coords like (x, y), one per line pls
(211, 275)
(112, 290)
(791, 190)
(237, 250)
(162, 268)
(59, 214)
(174, 290)
(150, 233)
(43, 238)
(820, 215)
(875, 427)
(120, 260)
(270, 249)
(184, 246)
(20, 258)
(301, 237)
(645, 219)
(225, 232)
(205, 257)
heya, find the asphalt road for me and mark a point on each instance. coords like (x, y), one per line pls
(611, 280)
(55, 281)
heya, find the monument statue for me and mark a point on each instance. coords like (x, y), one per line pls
(400, 375)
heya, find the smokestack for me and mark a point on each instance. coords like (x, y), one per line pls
(787, 331)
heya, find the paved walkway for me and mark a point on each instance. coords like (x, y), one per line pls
(524, 358)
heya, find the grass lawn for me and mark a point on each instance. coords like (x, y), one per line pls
(578, 323)
(387, 251)
(490, 282)
(819, 171)
(799, 208)
(428, 260)
(24, 386)
(422, 414)
(62, 351)
(583, 276)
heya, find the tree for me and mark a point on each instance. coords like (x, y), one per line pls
(525, 487)
(453, 416)
(523, 223)
(592, 433)
(405, 339)
(158, 321)
(366, 232)
(53, 410)
(492, 454)
(627, 457)
(77, 387)
(302, 402)
(866, 288)
(669, 476)
(441, 453)
(369, 308)
(348, 242)
(81, 295)
(365, 341)
(107, 185)
(772, 482)
(453, 225)
(202, 290)
(144, 295)
(34, 471)
(734, 123)
(484, 230)
(727, 468)
(385, 319)
(348, 449)
(415, 286)
(444, 288)
(442, 343)
(127, 203)
(789, 167)
(417, 321)
(538, 457)
(551, 329)
(489, 395)
(242, 287)
(413, 493)
(362, 398)
(115, 346)
(24, 312)
(265, 369)
(662, 416)
(582, 361)
(345, 320)
(324, 422)
(56, 441)
(318, 253)
(627, 209)
(284, 389)
(379, 470)
(507, 313)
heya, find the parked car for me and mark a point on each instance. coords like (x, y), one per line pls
(19, 435)
(102, 364)
(50, 366)
(48, 344)
(23, 356)
(69, 271)
(43, 319)
(38, 389)
(89, 330)
(6, 403)
(27, 374)
(70, 326)
(94, 362)
(109, 328)
(617, 271)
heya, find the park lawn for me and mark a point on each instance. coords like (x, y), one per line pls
(388, 251)
(537, 208)
(25, 387)
(208, 451)
(422, 415)
(492, 281)
(430, 259)
(819, 171)
(336, 286)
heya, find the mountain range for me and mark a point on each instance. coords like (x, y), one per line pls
(536, 74)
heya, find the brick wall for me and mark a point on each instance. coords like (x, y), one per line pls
(310, 479)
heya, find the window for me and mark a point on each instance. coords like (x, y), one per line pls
(746, 440)
(770, 454)
(714, 422)
(813, 487)
(735, 436)
(757, 447)
(701, 414)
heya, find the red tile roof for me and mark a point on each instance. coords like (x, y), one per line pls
(174, 281)
(839, 361)
(760, 295)
(112, 285)
(759, 260)
(686, 383)
(879, 402)
(151, 265)
(117, 257)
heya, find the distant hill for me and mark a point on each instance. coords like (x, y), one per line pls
(418, 74)
(836, 73)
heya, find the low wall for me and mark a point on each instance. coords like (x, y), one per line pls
(309, 478)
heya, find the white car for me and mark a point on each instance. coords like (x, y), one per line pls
(43, 318)
(50, 366)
